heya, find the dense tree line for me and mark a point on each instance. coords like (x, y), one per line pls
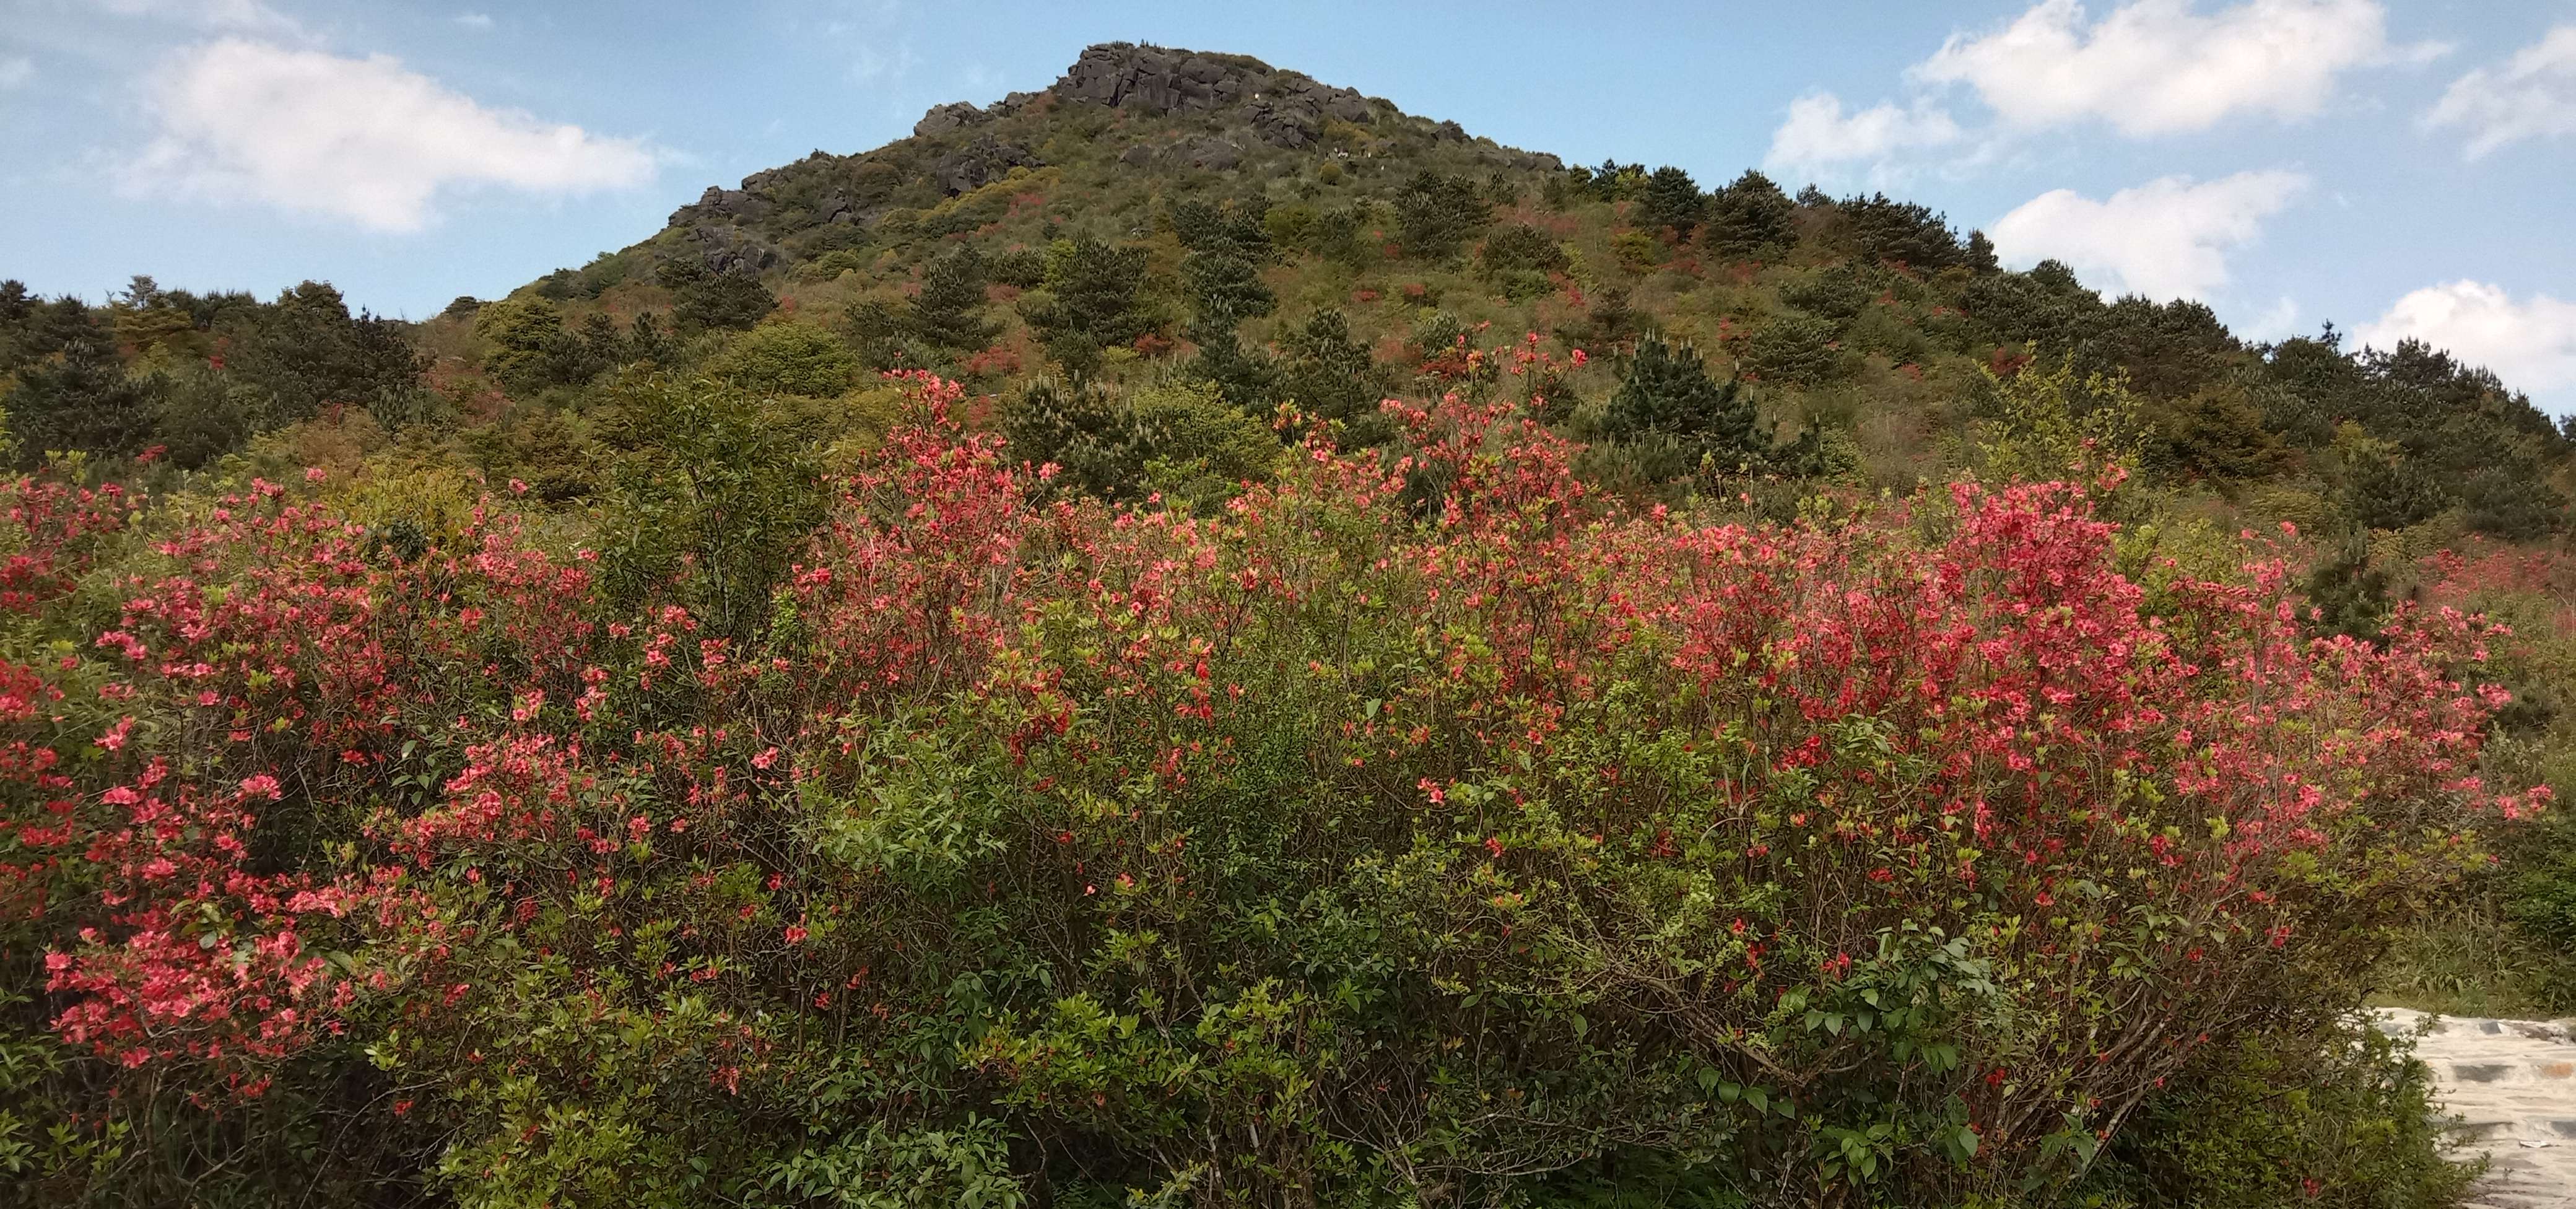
(191, 375)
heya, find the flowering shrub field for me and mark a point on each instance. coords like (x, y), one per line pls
(1412, 828)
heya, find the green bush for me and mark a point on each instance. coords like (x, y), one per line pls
(1793, 348)
(1438, 214)
(2342, 1116)
(787, 359)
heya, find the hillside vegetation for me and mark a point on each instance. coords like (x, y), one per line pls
(1191, 638)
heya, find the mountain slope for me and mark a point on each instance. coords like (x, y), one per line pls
(1275, 224)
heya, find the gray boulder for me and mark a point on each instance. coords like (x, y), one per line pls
(956, 115)
(731, 250)
(978, 163)
(1209, 152)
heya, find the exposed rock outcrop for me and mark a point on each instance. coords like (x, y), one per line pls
(1281, 108)
(1209, 152)
(719, 205)
(955, 115)
(733, 250)
(986, 159)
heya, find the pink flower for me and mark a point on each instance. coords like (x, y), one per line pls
(796, 934)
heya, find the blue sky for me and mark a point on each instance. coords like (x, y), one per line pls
(2395, 167)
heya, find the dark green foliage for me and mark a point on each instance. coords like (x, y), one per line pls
(1520, 247)
(1611, 182)
(1333, 235)
(879, 335)
(83, 400)
(595, 348)
(1792, 347)
(2512, 500)
(2454, 421)
(1837, 293)
(715, 491)
(1438, 214)
(1077, 431)
(1024, 268)
(1672, 199)
(2389, 491)
(948, 313)
(1672, 412)
(539, 446)
(2218, 433)
(1094, 299)
(524, 344)
(705, 300)
(208, 370)
(1329, 375)
(306, 352)
(2043, 308)
(2167, 351)
(1668, 389)
(2347, 592)
(648, 342)
(1522, 260)
(1981, 253)
(589, 281)
(1900, 233)
(319, 1134)
(2310, 378)
(1225, 289)
(1176, 439)
(205, 414)
(1609, 322)
(1206, 227)
(2538, 893)
(2339, 1116)
(1242, 377)
(1749, 216)
(32, 329)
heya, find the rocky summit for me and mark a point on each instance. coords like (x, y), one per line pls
(1226, 112)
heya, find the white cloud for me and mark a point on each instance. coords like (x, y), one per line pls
(2533, 95)
(475, 21)
(2155, 67)
(2278, 321)
(2531, 345)
(2165, 239)
(366, 140)
(16, 71)
(1819, 135)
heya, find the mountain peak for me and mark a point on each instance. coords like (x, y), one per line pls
(1282, 108)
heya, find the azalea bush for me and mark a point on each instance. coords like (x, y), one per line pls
(1414, 828)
